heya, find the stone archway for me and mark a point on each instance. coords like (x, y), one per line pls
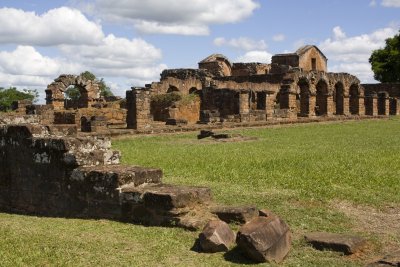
(339, 98)
(354, 100)
(89, 91)
(321, 102)
(304, 98)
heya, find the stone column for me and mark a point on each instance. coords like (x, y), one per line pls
(374, 105)
(361, 106)
(346, 105)
(270, 106)
(387, 106)
(244, 106)
(138, 105)
(397, 106)
(330, 105)
(313, 99)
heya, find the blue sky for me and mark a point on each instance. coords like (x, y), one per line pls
(129, 42)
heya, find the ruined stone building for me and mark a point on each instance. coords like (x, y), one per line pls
(294, 85)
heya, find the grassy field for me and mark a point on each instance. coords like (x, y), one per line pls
(337, 177)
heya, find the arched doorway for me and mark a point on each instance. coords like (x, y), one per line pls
(86, 125)
(354, 103)
(321, 104)
(75, 97)
(338, 98)
(304, 96)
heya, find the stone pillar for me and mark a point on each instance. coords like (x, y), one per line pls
(138, 105)
(397, 106)
(361, 106)
(313, 99)
(346, 105)
(387, 106)
(330, 105)
(374, 105)
(244, 106)
(270, 106)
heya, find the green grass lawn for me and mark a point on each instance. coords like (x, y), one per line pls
(301, 172)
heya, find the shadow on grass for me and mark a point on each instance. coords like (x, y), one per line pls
(235, 256)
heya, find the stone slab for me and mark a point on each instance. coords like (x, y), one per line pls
(346, 244)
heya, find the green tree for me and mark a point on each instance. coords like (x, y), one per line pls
(385, 62)
(73, 92)
(9, 95)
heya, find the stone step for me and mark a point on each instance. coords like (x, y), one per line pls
(167, 197)
(115, 176)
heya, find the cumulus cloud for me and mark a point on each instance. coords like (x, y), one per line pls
(118, 57)
(279, 37)
(80, 45)
(172, 16)
(391, 3)
(338, 33)
(25, 67)
(57, 26)
(255, 56)
(242, 43)
(351, 54)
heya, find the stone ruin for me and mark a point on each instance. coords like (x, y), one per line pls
(295, 87)
(56, 161)
(46, 172)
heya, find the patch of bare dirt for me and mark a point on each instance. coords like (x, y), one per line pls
(382, 223)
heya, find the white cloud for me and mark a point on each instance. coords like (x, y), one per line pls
(118, 57)
(26, 61)
(279, 37)
(172, 16)
(391, 3)
(372, 3)
(351, 54)
(338, 33)
(27, 68)
(242, 43)
(255, 56)
(57, 26)
(153, 27)
(133, 60)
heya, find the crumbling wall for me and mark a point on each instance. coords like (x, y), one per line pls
(188, 111)
(247, 69)
(38, 171)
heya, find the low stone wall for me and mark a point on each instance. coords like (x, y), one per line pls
(72, 176)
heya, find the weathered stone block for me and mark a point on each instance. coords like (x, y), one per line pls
(337, 242)
(265, 239)
(168, 197)
(216, 236)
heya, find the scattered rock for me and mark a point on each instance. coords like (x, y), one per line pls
(265, 239)
(216, 236)
(235, 214)
(392, 259)
(337, 242)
